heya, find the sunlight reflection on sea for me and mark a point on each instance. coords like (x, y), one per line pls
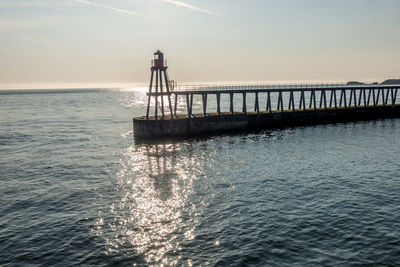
(155, 183)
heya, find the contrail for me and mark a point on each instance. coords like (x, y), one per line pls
(89, 3)
(195, 8)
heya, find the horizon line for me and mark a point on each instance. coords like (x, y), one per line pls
(142, 84)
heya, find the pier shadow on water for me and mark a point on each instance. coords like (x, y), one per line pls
(161, 159)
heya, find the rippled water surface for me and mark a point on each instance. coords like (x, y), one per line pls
(77, 190)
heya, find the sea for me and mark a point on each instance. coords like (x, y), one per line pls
(77, 189)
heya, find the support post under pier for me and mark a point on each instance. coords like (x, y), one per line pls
(244, 108)
(204, 98)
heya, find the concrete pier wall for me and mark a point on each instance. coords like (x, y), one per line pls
(213, 123)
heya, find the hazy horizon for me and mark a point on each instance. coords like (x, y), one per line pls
(141, 85)
(106, 43)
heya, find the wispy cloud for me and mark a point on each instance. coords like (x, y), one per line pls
(124, 11)
(186, 5)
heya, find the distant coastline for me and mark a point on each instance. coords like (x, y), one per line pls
(388, 81)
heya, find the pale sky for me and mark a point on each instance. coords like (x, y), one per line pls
(113, 41)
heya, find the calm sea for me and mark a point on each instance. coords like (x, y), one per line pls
(77, 190)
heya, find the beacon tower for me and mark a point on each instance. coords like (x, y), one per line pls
(157, 89)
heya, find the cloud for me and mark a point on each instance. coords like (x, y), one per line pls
(124, 11)
(195, 8)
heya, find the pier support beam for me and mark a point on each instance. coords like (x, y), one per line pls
(313, 99)
(176, 105)
(373, 96)
(351, 96)
(162, 97)
(219, 103)
(231, 105)
(359, 97)
(364, 98)
(280, 101)
(269, 108)
(168, 93)
(256, 104)
(387, 96)
(191, 104)
(188, 105)
(149, 99)
(204, 98)
(156, 102)
(333, 98)
(391, 96)
(371, 91)
(343, 98)
(377, 97)
(244, 108)
(291, 101)
(369, 96)
(302, 103)
(322, 100)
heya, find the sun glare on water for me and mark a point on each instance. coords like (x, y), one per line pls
(154, 188)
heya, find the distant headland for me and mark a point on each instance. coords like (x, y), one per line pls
(389, 81)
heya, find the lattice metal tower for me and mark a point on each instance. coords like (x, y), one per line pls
(159, 68)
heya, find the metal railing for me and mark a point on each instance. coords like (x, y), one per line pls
(252, 87)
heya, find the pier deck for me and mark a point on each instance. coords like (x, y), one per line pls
(284, 105)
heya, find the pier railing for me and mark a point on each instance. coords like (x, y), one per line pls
(279, 98)
(253, 87)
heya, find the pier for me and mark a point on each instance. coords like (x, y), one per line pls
(271, 106)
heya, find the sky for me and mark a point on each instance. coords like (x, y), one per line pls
(105, 42)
